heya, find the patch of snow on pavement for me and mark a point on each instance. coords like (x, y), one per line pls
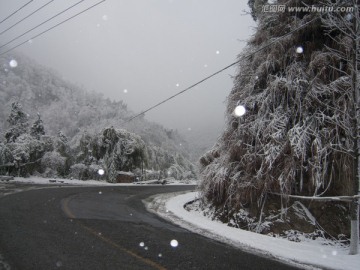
(309, 254)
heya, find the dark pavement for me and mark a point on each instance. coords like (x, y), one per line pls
(106, 228)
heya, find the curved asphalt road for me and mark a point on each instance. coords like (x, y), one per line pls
(106, 228)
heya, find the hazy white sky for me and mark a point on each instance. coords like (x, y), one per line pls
(141, 51)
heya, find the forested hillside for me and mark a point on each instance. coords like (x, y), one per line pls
(297, 134)
(72, 124)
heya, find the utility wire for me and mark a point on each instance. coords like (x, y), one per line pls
(181, 92)
(223, 69)
(42, 23)
(32, 13)
(16, 11)
(47, 30)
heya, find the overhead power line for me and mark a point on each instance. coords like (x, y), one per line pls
(47, 30)
(221, 70)
(16, 11)
(32, 13)
(23, 34)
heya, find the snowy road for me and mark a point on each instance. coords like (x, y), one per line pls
(106, 228)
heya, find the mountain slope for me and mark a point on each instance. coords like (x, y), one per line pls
(296, 135)
(76, 114)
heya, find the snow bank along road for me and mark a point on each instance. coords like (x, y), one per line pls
(106, 228)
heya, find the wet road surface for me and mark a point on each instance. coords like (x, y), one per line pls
(106, 228)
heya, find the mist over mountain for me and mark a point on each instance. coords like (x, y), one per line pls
(70, 110)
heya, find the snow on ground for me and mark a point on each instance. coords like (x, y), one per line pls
(309, 254)
(7, 186)
(57, 181)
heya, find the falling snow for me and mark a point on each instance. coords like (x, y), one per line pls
(299, 49)
(239, 110)
(13, 63)
(348, 17)
(174, 243)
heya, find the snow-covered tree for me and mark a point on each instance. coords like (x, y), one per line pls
(123, 151)
(37, 129)
(18, 121)
(6, 159)
(344, 30)
(62, 137)
(27, 153)
(296, 135)
(53, 164)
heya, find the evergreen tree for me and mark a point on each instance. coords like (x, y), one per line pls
(18, 121)
(37, 129)
(62, 137)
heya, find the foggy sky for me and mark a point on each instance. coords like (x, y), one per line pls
(141, 52)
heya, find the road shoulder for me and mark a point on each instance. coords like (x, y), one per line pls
(304, 254)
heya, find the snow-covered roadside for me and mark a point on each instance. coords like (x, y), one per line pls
(8, 187)
(310, 254)
(58, 181)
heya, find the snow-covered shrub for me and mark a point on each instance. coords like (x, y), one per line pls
(79, 171)
(54, 164)
(149, 174)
